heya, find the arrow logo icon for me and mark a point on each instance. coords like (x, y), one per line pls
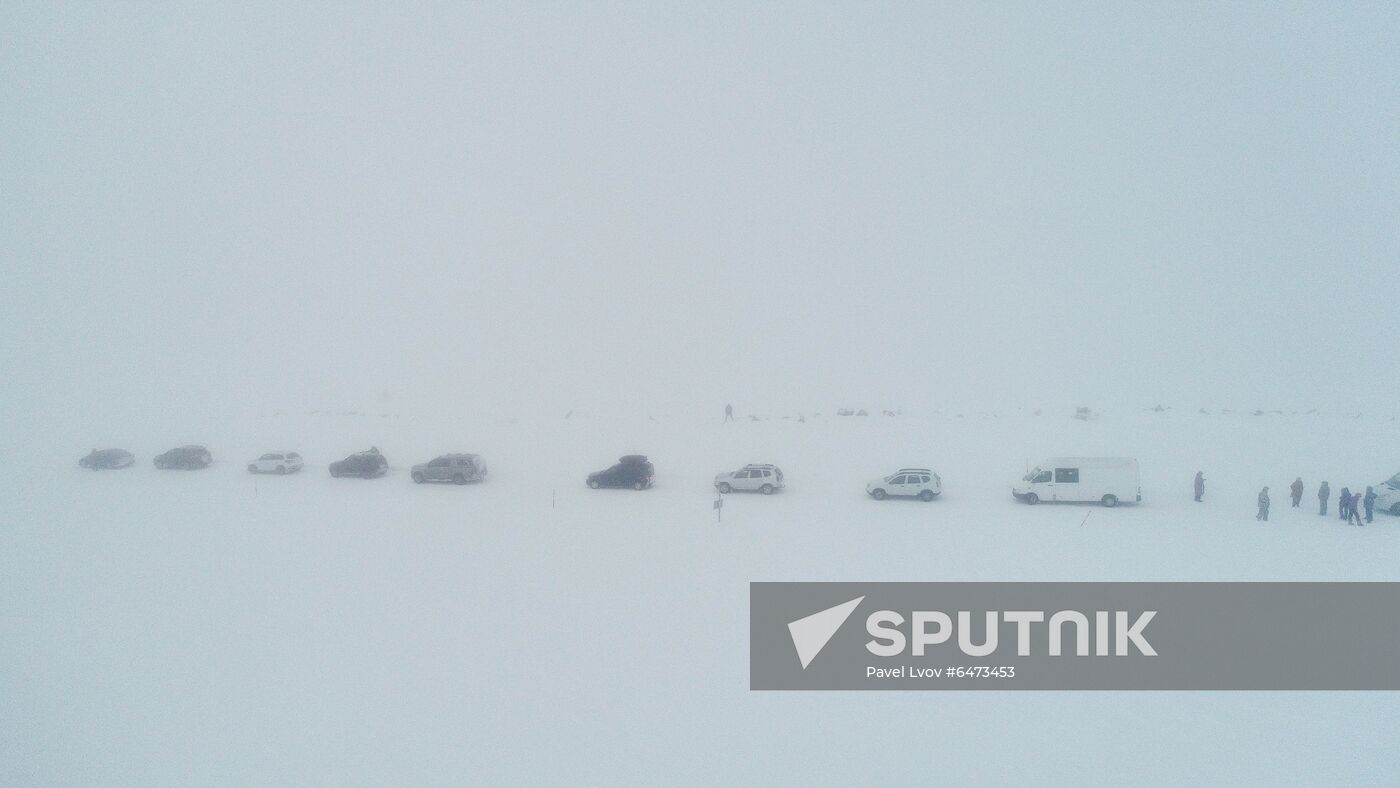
(811, 634)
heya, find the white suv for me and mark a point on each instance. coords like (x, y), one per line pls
(920, 483)
(763, 478)
(276, 462)
(1388, 495)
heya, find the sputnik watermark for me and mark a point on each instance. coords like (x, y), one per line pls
(1074, 636)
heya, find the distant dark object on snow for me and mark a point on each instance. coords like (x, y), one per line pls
(1084, 414)
(845, 412)
(184, 458)
(365, 465)
(1159, 408)
(632, 470)
(107, 460)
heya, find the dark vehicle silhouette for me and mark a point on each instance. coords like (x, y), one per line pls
(632, 471)
(107, 460)
(365, 464)
(184, 458)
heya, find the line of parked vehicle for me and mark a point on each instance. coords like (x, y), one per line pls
(1105, 480)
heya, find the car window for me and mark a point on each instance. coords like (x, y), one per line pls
(1041, 478)
(438, 462)
(897, 480)
(767, 474)
(1067, 475)
(924, 479)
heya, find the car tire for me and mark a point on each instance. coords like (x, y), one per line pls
(639, 486)
(878, 494)
(281, 470)
(459, 479)
(926, 496)
(1032, 499)
(1110, 501)
(417, 477)
(766, 489)
(335, 474)
(592, 484)
(725, 488)
(252, 469)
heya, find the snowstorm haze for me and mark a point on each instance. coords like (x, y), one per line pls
(265, 206)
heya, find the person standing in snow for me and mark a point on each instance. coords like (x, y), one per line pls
(1297, 490)
(1323, 493)
(1354, 509)
(1200, 485)
(1263, 505)
(728, 413)
(1343, 503)
(1370, 503)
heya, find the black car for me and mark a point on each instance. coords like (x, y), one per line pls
(632, 471)
(365, 464)
(107, 459)
(184, 458)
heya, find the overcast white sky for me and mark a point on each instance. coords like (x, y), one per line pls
(779, 205)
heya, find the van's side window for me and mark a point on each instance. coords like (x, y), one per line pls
(1042, 477)
(1067, 475)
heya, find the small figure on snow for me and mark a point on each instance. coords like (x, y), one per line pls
(1297, 490)
(1344, 504)
(1370, 503)
(1354, 509)
(728, 413)
(1323, 493)
(1200, 485)
(1263, 505)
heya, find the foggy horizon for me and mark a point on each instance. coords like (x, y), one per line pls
(614, 207)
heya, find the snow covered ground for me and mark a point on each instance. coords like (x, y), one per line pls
(210, 627)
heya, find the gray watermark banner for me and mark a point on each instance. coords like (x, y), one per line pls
(1074, 636)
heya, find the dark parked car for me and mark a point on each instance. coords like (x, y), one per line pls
(365, 464)
(107, 459)
(455, 468)
(184, 458)
(632, 471)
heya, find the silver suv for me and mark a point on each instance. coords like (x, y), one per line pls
(920, 483)
(763, 478)
(456, 468)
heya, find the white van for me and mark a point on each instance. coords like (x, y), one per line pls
(1107, 480)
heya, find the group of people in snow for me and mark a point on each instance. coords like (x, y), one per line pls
(1349, 504)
